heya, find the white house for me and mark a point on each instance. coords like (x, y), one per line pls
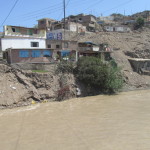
(122, 29)
(117, 28)
(109, 28)
(16, 37)
(22, 43)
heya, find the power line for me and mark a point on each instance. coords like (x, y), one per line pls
(57, 6)
(38, 11)
(44, 11)
(118, 5)
(9, 12)
(36, 16)
(93, 4)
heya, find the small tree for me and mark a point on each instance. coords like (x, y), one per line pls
(99, 76)
(139, 23)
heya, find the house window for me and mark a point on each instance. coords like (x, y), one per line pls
(34, 44)
(24, 53)
(36, 53)
(57, 46)
(47, 53)
(13, 29)
(49, 46)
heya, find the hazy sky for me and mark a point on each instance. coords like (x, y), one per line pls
(27, 12)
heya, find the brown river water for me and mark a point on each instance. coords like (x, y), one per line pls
(118, 122)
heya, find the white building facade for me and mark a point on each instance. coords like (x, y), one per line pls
(13, 43)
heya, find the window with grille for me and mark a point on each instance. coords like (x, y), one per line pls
(34, 44)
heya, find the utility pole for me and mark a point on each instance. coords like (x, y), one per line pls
(64, 4)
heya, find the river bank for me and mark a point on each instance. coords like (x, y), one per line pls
(22, 88)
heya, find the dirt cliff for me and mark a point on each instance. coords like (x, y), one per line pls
(19, 88)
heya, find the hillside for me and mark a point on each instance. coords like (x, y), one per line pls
(137, 43)
(19, 88)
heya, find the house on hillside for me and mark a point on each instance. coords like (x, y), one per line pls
(122, 28)
(129, 22)
(25, 45)
(22, 37)
(109, 28)
(63, 49)
(27, 55)
(91, 49)
(46, 24)
(117, 28)
(53, 25)
(86, 20)
(106, 18)
(23, 32)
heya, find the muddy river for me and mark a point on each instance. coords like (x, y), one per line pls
(119, 122)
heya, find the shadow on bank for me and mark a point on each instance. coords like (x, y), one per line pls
(92, 77)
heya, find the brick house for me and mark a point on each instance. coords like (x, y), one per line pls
(86, 20)
(14, 56)
(63, 48)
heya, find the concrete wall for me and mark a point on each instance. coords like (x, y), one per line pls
(122, 29)
(106, 18)
(21, 43)
(24, 32)
(141, 66)
(109, 28)
(46, 67)
(72, 45)
(117, 29)
(72, 27)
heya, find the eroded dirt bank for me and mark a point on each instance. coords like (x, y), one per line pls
(19, 88)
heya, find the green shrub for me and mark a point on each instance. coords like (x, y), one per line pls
(65, 67)
(99, 76)
(139, 23)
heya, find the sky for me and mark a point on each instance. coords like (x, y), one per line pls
(27, 12)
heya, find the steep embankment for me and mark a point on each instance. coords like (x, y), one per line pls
(126, 45)
(18, 88)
